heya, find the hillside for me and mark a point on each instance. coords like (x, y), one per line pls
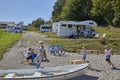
(112, 38)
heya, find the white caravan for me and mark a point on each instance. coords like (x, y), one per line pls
(76, 28)
(45, 28)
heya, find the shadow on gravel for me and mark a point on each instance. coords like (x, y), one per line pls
(92, 69)
(116, 69)
(65, 55)
(61, 55)
(84, 77)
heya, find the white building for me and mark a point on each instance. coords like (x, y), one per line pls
(5, 24)
(77, 28)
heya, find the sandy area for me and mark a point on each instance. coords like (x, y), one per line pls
(98, 70)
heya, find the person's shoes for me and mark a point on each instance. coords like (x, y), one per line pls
(47, 60)
(37, 65)
(112, 67)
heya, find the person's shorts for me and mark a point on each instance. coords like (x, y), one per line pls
(108, 56)
(83, 58)
(108, 59)
(29, 57)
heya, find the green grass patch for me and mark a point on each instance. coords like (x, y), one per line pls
(71, 45)
(7, 40)
(109, 31)
(74, 44)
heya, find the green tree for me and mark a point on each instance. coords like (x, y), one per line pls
(38, 22)
(57, 8)
(104, 9)
(76, 10)
(116, 20)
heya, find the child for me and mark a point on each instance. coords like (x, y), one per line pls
(84, 53)
(33, 54)
(30, 54)
(41, 54)
(108, 56)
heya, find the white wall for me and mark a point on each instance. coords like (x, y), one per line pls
(65, 31)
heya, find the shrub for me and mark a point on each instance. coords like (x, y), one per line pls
(103, 41)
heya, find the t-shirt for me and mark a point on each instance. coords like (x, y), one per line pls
(42, 49)
(27, 54)
(39, 57)
(107, 52)
(84, 53)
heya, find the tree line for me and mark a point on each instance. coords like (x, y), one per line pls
(104, 12)
(39, 21)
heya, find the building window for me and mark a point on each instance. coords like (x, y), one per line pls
(84, 28)
(69, 26)
(3, 24)
(91, 23)
(63, 25)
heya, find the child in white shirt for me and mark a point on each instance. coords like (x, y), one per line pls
(107, 52)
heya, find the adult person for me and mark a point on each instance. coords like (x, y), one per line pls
(107, 52)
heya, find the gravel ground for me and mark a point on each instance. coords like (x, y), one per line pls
(98, 70)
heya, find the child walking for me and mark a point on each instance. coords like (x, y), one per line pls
(107, 52)
(84, 53)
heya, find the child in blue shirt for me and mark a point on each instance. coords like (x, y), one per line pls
(84, 53)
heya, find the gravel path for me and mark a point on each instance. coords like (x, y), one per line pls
(98, 69)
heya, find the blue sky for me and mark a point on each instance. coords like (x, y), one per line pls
(25, 10)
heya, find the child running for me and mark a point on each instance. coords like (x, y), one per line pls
(107, 52)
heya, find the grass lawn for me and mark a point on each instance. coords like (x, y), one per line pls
(7, 40)
(112, 39)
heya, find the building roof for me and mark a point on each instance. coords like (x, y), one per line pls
(4, 24)
(87, 23)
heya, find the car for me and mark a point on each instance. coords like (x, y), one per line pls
(14, 29)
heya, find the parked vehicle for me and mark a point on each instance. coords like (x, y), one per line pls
(75, 28)
(45, 28)
(14, 29)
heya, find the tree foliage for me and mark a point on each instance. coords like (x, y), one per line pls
(104, 12)
(37, 23)
(103, 8)
(116, 20)
(57, 10)
(76, 10)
